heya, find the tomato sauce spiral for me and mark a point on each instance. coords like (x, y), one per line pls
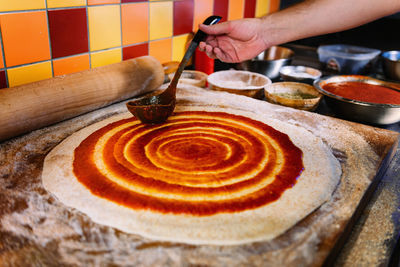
(198, 163)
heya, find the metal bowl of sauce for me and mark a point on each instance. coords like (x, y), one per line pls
(361, 98)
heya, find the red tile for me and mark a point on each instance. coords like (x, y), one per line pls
(250, 8)
(68, 32)
(132, 1)
(135, 51)
(221, 9)
(183, 16)
(3, 80)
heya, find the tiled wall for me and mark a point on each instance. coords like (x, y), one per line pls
(45, 38)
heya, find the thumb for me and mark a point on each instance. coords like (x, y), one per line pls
(217, 29)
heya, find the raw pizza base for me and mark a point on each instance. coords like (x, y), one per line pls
(314, 187)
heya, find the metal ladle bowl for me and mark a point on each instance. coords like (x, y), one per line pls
(157, 108)
(152, 109)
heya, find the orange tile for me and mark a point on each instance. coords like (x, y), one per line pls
(30, 73)
(25, 37)
(202, 10)
(135, 23)
(71, 64)
(160, 20)
(101, 2)
(262, 8)
(161, 50)
(274, 5)
(236, 8)
(1, 58)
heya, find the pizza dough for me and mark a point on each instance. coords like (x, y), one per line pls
(201, 219)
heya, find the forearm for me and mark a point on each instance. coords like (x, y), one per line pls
(316, 17)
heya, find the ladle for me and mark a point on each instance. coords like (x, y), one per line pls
(157, 108)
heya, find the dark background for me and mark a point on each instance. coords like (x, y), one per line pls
(382, 34)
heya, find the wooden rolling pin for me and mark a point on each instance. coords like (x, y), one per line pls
(32, 106)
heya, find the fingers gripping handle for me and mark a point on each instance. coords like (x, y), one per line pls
(200, 35)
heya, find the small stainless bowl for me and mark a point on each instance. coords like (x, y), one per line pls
(391, 64)
(269, 62)
(299, 74)
(370, 113)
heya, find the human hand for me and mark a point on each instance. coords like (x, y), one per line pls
(234, 41)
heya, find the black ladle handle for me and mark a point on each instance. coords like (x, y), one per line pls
(200, 35)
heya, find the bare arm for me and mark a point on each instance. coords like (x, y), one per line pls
(238, 40)
(315, 17)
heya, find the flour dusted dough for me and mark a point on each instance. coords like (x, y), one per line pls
(314, 187)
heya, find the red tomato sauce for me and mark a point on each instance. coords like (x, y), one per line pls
(113, 155)
(365, 92)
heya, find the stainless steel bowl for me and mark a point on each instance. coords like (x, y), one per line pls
(299, 74)
(269, 62)
(391, 64)
(370, 113)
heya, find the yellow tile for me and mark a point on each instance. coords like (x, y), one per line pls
(103, 58)
(104, 27)
(179, 46)
(236, 9)
(12, 5)
(160, 20)
(262, 8)
(65, 3)
(202, 10)
(161, 49)
(30, 73)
